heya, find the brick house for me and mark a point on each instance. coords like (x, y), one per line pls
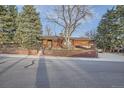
(54, 42)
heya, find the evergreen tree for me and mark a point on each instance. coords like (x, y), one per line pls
(107, 29)
(110, 32)
(29, 27)
(2, 14)
(8, 22)
(120, 13)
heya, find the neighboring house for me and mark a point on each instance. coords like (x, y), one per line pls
(54, 42)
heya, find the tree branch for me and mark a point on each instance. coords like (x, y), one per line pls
(56, 21)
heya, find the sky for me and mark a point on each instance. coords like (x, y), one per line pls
(87, 25)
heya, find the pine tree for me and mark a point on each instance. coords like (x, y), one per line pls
(107, 29)
(2, 14)
(29, 27)
(120, 13)
(110, 32)
(8, 23)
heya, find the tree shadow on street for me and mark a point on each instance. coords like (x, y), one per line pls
(2, 58)
(42, 80)
(10, 66)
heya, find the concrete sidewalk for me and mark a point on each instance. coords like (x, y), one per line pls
(102, 57)
(18, 55)
(111, 56)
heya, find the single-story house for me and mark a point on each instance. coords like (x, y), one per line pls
(51, 42)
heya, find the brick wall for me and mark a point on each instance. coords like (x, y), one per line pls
(66, 53)
(71, 53)
(19, 51)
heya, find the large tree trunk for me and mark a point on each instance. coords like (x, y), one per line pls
(67, 42)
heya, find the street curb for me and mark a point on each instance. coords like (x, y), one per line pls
(84, 59)
(13, 55)
(64, 58)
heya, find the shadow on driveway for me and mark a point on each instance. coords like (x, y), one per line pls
(10, 66)
(42, 80)
(1, 58)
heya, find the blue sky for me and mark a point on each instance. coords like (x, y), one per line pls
(87, 25)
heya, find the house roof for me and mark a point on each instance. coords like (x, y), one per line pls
(80, 38)
(51, 37)
(59, 37)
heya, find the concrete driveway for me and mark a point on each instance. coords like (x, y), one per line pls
(60, 72)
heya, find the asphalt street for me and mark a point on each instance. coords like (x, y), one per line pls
(44, 72)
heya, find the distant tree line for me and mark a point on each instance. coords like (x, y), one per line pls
(110, 31)
(21, 28)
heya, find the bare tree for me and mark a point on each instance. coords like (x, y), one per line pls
(91, 34)
(69, 17)
(48, 31)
